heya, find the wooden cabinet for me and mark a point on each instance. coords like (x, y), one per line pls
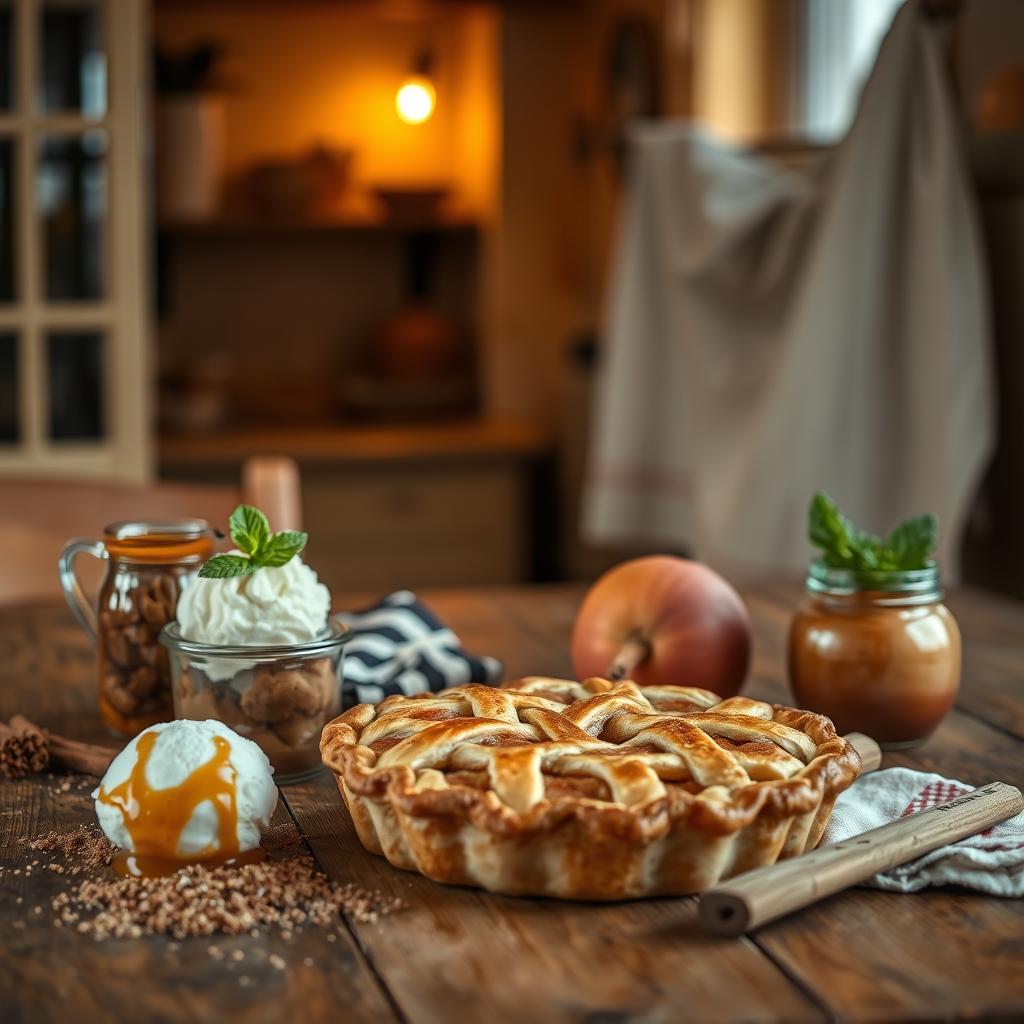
(416, 526)
(388, 508)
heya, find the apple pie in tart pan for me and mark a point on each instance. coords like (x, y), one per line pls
(586, 790)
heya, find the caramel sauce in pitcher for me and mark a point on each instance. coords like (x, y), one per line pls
(155, 818)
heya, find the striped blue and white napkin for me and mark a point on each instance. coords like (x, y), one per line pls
(400, 646)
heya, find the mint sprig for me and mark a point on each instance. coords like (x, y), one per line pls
(843, 546)
(260, 548)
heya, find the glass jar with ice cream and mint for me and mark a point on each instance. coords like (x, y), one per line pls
(253, 646)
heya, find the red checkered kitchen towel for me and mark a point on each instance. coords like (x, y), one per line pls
(992, 862)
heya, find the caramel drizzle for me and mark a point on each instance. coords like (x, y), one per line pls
(155, 818)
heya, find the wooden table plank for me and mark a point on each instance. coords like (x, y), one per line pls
(460, 954)
(950, 948)
(487, 620)
(49, 973)
(510, 959)
(49, 671)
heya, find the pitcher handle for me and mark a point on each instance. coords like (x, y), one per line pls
(77, 601)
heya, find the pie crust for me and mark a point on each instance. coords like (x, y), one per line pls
(589, 790)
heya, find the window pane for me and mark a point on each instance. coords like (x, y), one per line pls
(6, 220)
(6, 55)
(71, 191)
(74, 72)
(75, 368)
(8, 387)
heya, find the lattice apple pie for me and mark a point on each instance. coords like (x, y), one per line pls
(586, 790)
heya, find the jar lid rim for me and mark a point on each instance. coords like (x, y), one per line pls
(128, 529)
(905, 581)
(336, 634)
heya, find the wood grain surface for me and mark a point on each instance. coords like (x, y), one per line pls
(459, 954)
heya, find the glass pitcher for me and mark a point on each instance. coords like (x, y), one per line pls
(149, 565)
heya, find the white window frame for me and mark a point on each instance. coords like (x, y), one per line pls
(125, 451)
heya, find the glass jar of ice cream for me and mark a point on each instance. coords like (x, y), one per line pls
(280, 696)
(259, 652)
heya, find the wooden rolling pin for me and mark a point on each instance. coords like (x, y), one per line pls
(870, 752)
(751, 900)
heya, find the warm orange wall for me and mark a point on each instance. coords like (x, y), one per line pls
(308, 72)
(558, 213)
(745, 63)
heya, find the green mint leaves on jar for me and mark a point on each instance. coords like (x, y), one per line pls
(250, 532)
(843, 546)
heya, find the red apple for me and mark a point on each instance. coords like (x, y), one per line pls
(663, 621)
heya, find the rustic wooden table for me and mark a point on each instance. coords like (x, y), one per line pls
(459, 954)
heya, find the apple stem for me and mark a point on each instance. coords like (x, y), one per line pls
(634, 651)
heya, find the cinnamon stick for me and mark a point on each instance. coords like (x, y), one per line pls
(26, 749)
(85, 758)
(22, 748)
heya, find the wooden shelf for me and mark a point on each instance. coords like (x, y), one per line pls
(251, 226)
(460, 439)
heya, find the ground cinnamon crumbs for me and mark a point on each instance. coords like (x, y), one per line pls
(85, 848)
(228, 900)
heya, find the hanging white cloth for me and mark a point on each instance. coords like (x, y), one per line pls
(772, 333)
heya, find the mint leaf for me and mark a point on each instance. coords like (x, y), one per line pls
(222, 567)
(843, 546)
(251, 533)
(832, 532)
(249, 529)
(911, 543)
(282, 548)
(867, 550)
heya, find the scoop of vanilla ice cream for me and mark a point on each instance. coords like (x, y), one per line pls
(180, 748)
(283, 605)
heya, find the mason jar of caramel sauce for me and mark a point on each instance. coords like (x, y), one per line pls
(877, 652)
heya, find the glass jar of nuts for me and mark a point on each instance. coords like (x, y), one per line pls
(150, 564)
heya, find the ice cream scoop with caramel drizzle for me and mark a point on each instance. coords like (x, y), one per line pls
(183, 792)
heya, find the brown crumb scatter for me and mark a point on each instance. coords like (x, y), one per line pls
(86, 847)
(225, 900)
(277, 962)
(283, 839)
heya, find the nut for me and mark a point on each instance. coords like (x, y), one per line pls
(142, 682)
(158, 600)
(117, 647)
(278, 694)
(112, 617)
(117, 694)
(299, 730)
(134, 668)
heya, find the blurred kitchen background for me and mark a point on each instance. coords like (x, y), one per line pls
(376, 238)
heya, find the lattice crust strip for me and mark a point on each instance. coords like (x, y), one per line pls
(630, 739)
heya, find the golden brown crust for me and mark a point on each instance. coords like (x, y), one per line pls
(674, 762)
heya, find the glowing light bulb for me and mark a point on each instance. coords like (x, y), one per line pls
(415, 100)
